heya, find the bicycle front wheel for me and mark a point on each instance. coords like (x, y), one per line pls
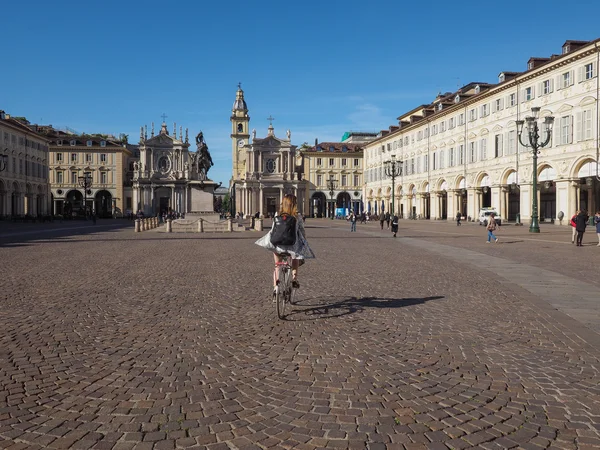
(281, 294)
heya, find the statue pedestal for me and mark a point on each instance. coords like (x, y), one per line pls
(201, 197)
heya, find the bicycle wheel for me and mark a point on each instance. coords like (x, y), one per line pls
(281, 292)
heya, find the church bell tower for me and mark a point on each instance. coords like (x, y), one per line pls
(240, 135)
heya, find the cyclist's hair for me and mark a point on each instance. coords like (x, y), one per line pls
(289, 205)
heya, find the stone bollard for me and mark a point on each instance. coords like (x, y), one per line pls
(200, 225)
(169, 227)
(154, 222)
(137, 225)
(146, 226)
(259, 225)
(229, 225)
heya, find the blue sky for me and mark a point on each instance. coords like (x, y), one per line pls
(321, 68)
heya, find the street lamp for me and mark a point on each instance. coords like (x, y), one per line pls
(331, 185)
(393, 169)
(85, 182)
(3, 161)
(535, 144)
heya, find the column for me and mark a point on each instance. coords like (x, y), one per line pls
(172, 199)
(260, 201)
(34, 208)
(151, 162)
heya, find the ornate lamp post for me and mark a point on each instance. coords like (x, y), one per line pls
(331, 185)
(3, 161)
(534, 143)
(85, 182)
(393, 169)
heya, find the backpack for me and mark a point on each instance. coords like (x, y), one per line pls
(284, 230)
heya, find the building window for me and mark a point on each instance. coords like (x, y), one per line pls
(451, 157)
(356, 181)
(498, 104)
(103, 177)
(88, 143)
(442, 127)
(319, 180)
(59, 157)
(344, 162)
(73, 177)
(103, 157)
(461, 119)
(355, 162)
(589, 71)
(512, 142)
(587, 122)
(566, 133)
(566, 80)
(73, 157)
(485, 110)
(497, 146)
(546, 87)
(319, 161)
(472, 115)
(472, 152)
(483, 149)
(88, 157)
(59, 177)
(59, 143)
(528, 93)
(73, 143)
(102, 143)
(331, 148)
(461, 154)
(344, 180)
(451, 123)
(512, 99)
(331, 162)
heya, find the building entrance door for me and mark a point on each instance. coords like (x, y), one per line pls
(164, 204)
(271, 206)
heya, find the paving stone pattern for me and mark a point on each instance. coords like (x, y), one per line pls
(156, 341)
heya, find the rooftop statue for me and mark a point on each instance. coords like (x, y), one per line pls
(202, 159)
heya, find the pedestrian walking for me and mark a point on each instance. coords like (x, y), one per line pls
(381, 220)
(363, 218)
(597, 222)
(352, 221)
(491, 227)
(395, 225)
(573, 225)
(458, 217)
(387, 219)
(580, 224)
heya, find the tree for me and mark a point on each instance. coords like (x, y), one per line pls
(124, 138)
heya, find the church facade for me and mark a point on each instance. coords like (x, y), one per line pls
(170, 178)
(264, 169)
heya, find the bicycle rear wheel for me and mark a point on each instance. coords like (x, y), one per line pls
(281, 292)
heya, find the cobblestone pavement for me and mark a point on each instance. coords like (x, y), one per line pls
(160, 341)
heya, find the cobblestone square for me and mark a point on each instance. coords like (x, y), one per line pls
(111, 339)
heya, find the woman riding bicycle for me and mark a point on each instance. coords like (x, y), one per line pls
(299, 250)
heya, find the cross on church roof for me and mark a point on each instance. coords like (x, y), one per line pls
(270, 119)
(164, 116)
(240, 85)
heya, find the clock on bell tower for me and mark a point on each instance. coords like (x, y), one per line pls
(240, 121)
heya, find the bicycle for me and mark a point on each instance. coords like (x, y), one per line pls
(284, 292)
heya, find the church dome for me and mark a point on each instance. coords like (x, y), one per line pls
(240, 103)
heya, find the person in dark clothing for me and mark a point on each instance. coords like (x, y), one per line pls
(395, 225)
(387, 219)
(381, 219)
(363, 218)
(458, 217)
(580, 224)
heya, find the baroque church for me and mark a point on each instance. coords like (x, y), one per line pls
(170, 178)
(264, 169)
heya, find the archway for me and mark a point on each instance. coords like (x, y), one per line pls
(103, 204)
(547, 193)
(318, 203)
(514, 197)
(589, 187)
(342, 204)
(486, 192)
(73, 206)
(443, 197)
(3, 202)
(15, 200)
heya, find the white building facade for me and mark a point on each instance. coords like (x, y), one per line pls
(461, 152)
(24, 184)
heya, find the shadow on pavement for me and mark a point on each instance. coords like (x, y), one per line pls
(316, 308)
(25, 235)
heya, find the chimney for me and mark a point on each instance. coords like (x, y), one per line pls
(316, 142)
